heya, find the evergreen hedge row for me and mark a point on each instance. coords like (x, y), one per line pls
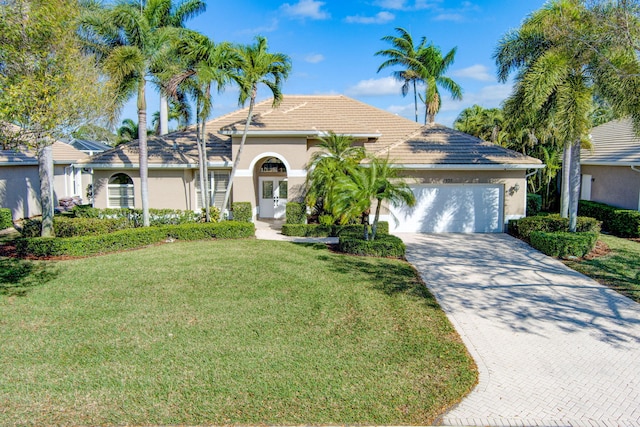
(296, 213)
(241, 211)
(523, 227)
(620, 222)
(319, 230)
(130, 238)
(385, 245)
(563, 244)
(6, 218)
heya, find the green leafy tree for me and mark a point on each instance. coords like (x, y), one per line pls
(48, 87)
(377, 180)
(405, 54)
(132, 38)
(487, 124)
(204, 64)
(93, 132)
(257, 66)
(337, 156)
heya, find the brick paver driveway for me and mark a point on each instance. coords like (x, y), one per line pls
(553, 347)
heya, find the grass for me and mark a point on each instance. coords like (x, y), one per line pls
(234, 332)
(620, 269)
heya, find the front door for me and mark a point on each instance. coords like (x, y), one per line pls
(273, 197)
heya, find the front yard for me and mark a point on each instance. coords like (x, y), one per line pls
(224, 332)
(619, 269)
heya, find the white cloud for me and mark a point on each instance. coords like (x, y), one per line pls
(407, 5)
(379, 18)
(314, 58)
(488, 97)
(375, 87)
(454, 17)
(262, 30)
(475, 72)
(306, 9)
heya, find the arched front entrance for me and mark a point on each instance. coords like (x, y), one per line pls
(273, 188)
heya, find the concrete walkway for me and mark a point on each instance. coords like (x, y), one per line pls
(272, 230)
(553, 347)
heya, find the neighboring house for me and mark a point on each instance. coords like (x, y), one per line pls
(20, 182)
(611, 168)
(89, 147)
(462, 183)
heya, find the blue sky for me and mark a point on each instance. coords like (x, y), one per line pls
(332, 45)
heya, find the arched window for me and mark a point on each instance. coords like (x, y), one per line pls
(273, 164)
(120, 191)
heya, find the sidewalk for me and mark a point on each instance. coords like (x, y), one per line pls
(272, 230)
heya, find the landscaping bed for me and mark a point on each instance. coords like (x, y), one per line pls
(203, 333)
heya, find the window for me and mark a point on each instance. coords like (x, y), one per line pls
(218, 182)
(120, 191)
(273, 165)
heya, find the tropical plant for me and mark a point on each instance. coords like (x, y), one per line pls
(131, 38)
(376, 180)
(256, 66)
(179, 110)
(403, 53)
(487, 124)
(204, 64)
(48, 86)
(336, 157)
(421, 64)
(128, 131)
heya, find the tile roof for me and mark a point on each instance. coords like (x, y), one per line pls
(62, 153)
(404, 140)
(614, 142)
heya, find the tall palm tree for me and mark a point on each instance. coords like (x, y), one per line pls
(128, 131)
(256, 66)
(403, 53)
(131, 38)
(337, 157)
(204, 64)
(377, 180)
(432, 68)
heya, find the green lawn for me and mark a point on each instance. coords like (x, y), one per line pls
(620, 269)
(224, 332)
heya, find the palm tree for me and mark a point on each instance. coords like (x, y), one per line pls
(485, 123)
(405, 54)
(128, 131)
(376, 180)
(256, 66)
(205, 64)
(131, 37)
(337, 157)
(179, 111)
(432, 68)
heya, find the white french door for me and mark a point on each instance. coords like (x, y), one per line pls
(273, 197)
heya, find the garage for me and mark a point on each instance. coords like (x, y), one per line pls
(452, 208)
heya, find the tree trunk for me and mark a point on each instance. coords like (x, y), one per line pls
(45, 172)
(365, 221)
(566, 174)
(415, 99)
(144, 158)
(227, 193)
(164, 115)
(574, 189)
(201, 167)
(376, 218)
(203, 141)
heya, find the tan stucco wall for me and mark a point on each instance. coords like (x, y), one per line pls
(168, 188)
(291, 150)
(614, 185)
(514, 183)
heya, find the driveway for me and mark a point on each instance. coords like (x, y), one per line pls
(553, 347)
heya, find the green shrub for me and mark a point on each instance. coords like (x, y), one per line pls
(31, 228)
(338, 230)
(241, 211)
(306, 230)
(130, 238)
(385, 245)
(523, 227)
(534, 204)
(133, 217)
(6, 218)
(327, 220)
(296, 213)
(620, 222)
(71, 227)
(563, 244)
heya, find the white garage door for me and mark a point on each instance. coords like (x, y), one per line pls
(471, 208)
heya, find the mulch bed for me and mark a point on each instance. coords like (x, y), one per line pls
(601, 249)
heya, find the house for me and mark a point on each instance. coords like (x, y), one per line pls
(20, 182)
(462, 184)
(611, 168)
(89, 147)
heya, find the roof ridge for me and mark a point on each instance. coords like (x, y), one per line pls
(401, 141)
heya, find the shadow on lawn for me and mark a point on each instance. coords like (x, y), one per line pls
(18, 276)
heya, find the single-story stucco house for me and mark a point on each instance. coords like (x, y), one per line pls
(611, 168)
(462, 184)
(20, 182)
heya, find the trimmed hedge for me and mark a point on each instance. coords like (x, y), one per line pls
(620, 222)
(564, 244)
(296, 213)
(134, 216)
(523, 227)
(130, 238)
(534, 204)
(65, 226)
(385, 245)
(241, 211)
(6, 218)
(319, 230)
